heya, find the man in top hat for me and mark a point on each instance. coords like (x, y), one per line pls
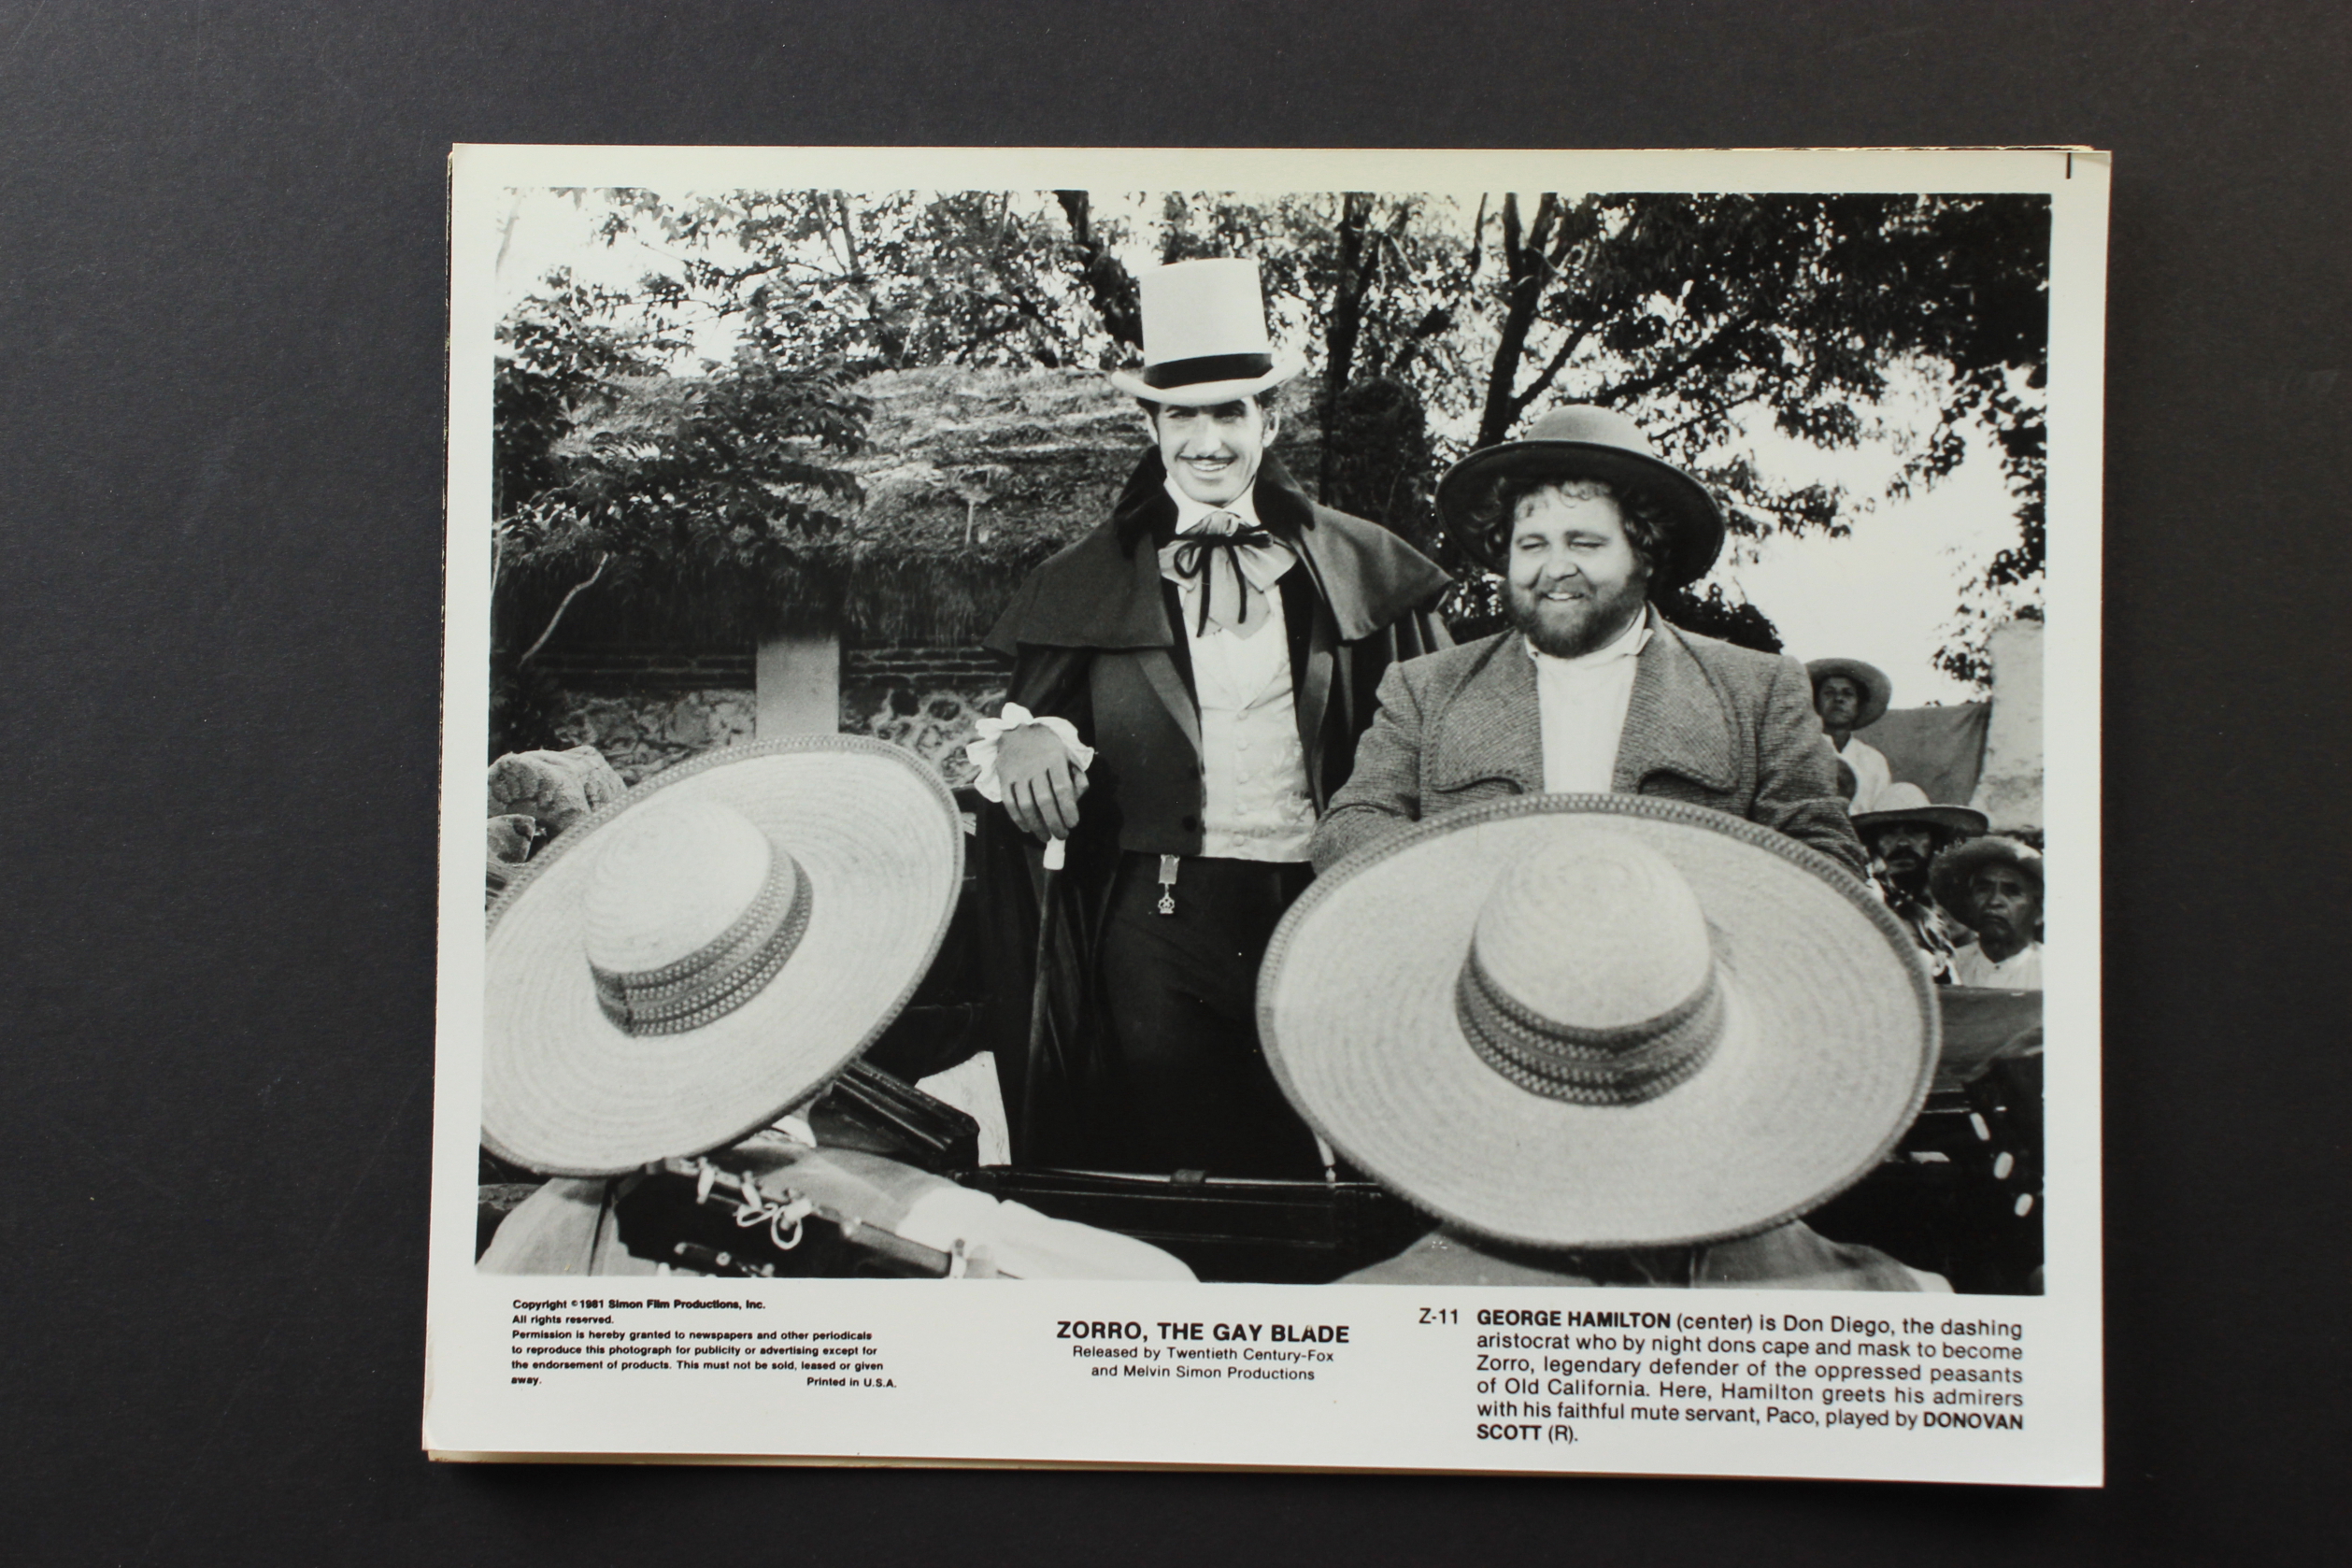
(1590, 690)
(1903, 836)
(1216, 643)
(1994, 885)
(1850, 695)
(1621, 1043)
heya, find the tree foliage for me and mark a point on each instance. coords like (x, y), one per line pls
(1715, 318)
(721, 495)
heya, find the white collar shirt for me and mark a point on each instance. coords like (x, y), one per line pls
(1871, 775)
(1255, 802)
(1580, 706)
(2021, 971)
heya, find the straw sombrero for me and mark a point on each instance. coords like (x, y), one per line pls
(1877, 690)
(679, 968)
(1902, 803)
(1611, 1022)
(1948, 876)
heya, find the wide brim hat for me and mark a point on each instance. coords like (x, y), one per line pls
(1584, 442)
(1205, 335)
(1878, 691)
(1828, 1033)
(1915, 807)
(876, 839)
(1948, 876)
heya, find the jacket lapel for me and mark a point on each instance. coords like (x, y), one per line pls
(1676, 721)
(1168, 686)
(1490, 730)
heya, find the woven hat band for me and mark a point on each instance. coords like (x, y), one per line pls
(1620, 1066)
(722, 975)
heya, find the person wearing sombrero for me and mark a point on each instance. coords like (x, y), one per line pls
(676, 974)
(1624, 1041)
(1903, 836)
(1590, 688)
(1216, 642)
(1994, 885)
(1851, 695)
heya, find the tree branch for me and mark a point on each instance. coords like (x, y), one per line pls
(1636, 386)
(1536, 388)
(577, 589)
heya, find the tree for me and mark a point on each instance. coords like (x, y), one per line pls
(890, 282)
(1700, 313)
(714, 500)
(1712, 318)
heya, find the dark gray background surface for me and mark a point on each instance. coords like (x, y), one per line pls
(222, 318)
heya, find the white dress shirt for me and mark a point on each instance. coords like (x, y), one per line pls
(1580, 705)
(1255, 804)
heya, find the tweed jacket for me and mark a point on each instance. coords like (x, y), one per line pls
(1707, 722)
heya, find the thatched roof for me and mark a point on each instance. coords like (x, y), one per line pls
(972, 476)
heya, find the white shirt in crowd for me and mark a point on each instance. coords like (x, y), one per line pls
(1580, 708)
(1255, 802)
(1871, 773)
(2021, 971)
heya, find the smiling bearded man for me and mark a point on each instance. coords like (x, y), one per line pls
(1190, 680)
(1591, 691)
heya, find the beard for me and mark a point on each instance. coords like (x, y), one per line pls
(1568, 629)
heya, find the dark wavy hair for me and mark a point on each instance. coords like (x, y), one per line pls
(1647, 526)
(1269, 402)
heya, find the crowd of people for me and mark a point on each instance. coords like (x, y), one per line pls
(1540, 932)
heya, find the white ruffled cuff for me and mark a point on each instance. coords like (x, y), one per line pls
(1015, 716)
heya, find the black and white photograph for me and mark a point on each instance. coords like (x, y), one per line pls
(1254, 737)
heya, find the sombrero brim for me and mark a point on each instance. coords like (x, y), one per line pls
(1699, 530)
(1203, 394)
(1981, 1025)
(1958, 819)
(1877, 689)
(1830, 1041)
(567, 1093)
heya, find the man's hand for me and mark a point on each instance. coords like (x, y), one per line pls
(1041, 785)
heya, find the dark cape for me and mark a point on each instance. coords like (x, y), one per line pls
(1094, 636)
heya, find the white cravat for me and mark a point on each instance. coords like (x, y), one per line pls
(1580, 704)
(1238, 582)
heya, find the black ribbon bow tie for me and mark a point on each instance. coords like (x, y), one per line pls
(1196, 553)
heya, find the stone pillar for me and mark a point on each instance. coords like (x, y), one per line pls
(2009, 790)
(797, 682)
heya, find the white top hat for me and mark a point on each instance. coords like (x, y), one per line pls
(1205, 335)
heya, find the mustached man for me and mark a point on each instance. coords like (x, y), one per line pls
(1211, 654)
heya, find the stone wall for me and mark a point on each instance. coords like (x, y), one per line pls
(641, 733)
(646, 709)
(922, 698)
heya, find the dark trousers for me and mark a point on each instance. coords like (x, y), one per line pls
(1188, 1086)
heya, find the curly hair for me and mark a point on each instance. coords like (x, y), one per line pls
(1646, 528)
